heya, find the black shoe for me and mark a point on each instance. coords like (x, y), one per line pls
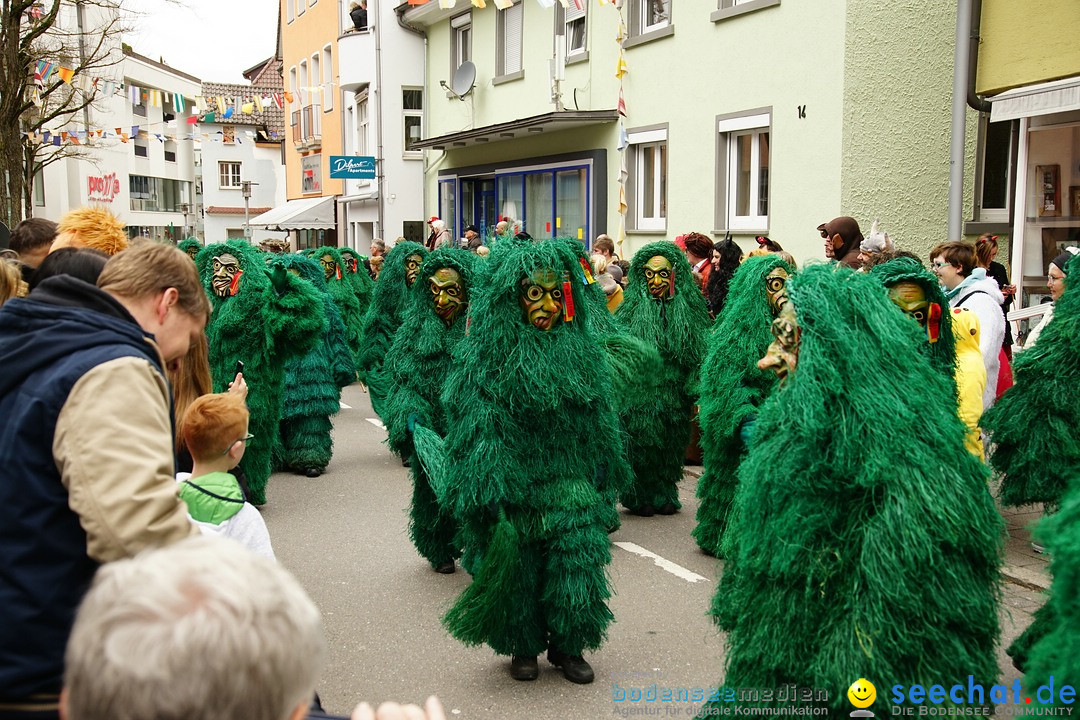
(446, 568)
(642, 511)
(574, 667)
(524, 667)
(312, 472)
(667, 509)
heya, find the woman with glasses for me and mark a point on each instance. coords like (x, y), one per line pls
(1055, 282)
(967, 285)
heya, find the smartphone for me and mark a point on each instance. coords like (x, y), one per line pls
(239, 368)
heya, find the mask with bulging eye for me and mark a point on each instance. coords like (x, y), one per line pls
(225, 269)
(447, 294)
(193, 250)
(412, 269)
(911, 298)
(783, 354)
(659, 276)
(329, 266)
(776, 289)
(541, 299)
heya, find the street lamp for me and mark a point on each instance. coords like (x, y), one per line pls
(184, 208)
(245, 189)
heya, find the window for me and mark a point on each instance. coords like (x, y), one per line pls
(730, 8)
(648, 197)
(140, 109)
(362, 125)
(303, 94)
(743, 177)
(234, 233)
(293, 85)
(170, 151)
(328, 79)
(301, 6)
(153, 194)
(508, 60)
(311, 174)
(316, 78)
(573, 20)
(461, 44)
(649, 15)
(412, 105)
(39, 189)
(290, 11)
(142, 148)
(228, 175)
(994, 177)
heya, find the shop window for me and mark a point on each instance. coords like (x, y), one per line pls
(647, 196)
(743, 171)
(509, 39)
(448, 204)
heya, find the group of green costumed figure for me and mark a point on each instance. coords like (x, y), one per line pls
(859, 537)
(292, 321)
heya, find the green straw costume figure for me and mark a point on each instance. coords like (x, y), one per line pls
(417, 365)
(262, 316)
(385, 314)
(1037, 451)
(863, 542)
(341, 290)
(357, 276)
(733, 387)
(664, 307)
(313, 382)
(191, 246)
(531, 438)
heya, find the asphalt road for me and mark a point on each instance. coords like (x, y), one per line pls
(344, 536)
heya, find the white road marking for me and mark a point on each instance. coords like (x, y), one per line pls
(376, 422)
(344, 406)
(676, 570)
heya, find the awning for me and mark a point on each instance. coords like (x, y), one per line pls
(316, 213)
(548, 122)
(1042, 99)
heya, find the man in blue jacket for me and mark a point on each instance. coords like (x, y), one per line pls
(86, 455)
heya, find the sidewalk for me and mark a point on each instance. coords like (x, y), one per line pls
(1022, 565)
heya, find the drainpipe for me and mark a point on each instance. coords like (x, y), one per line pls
(965, 64)
(379, 126)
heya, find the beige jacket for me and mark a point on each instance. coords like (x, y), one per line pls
(113, 447)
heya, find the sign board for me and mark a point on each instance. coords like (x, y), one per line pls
(102, 188)
(352, 167)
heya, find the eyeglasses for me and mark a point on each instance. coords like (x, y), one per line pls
(244, 439)
(937, 264)
(1051, 279)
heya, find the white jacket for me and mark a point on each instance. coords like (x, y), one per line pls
(984, 298)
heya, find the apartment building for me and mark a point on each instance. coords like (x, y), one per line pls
(656, 118)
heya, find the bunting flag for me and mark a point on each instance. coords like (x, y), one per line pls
(621, 69)
(134, 131)
(193, 120)
(221, 105)
(418, 2)
(65, 74)
(578, 4)
(447, 4)
(288, 96)
(179, 103)
(228, 113)
(504, 4)
(278, 97)
(479, 3)
(247, 108)
(621, 107)
(134, 95)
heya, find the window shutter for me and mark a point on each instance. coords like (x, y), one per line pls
(572, 13)
(512, 39)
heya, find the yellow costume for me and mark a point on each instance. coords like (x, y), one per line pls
(970, 376)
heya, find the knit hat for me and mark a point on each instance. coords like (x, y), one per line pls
(1062, 260)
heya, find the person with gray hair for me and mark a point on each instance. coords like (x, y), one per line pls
(201, 630)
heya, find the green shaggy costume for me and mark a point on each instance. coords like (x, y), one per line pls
(313, 382)
(863, 542)
(942, 352)
(1037, 453)
(527, 411)
(272, 317)
(732, 390)
(658, 423)
(1055, 634)
(357, 276)
(191, 246)
(1034, 424)
(417, 365)
(383, 318)
(341, 289)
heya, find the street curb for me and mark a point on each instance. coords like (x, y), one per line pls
(1030, 579)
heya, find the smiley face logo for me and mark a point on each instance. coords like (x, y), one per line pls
(862, 693)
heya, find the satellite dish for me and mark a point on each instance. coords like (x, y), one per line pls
(464, 79)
